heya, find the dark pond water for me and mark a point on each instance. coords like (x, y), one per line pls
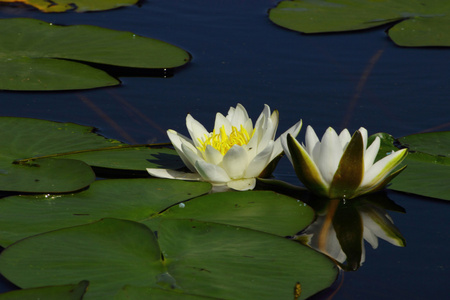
(339, 80)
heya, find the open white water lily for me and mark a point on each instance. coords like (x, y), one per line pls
(233, 154)
(341, 166)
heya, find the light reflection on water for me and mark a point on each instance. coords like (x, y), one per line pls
(352, 80)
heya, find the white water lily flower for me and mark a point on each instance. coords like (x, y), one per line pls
(233, 154)
(341, 166)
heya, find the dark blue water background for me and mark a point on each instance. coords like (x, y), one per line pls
(339, 80)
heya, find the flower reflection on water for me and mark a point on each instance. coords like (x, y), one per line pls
(342, 226)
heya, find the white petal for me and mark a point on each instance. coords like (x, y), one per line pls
(248, 125)
(266, 136)
(262, 119)
(172, 174)
(222, 121)
(196, 130)
(242, 184)
(257, 165)
(330, 155)
(259, 131)
(311, 142)
(382, 168)
(211, 173)
(235, 162)
(344, 138)
(252, 147)
(239, 117)
(371, 154)
(230, 113)
(285, 147)
(177, 140)
(212, 155)
(364, 136)
(294, 131)
(275, 118)
(189, 153)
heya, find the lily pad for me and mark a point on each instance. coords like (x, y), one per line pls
(62, 292)
(149, 201)
(74, 5)
(259, 210)
(25, 141)
(139, 292)
(130, 199)
(415, 23)
(428, 171)
(128, 157)
(188, 256)
(108, 254)
(433, 143)
(35, 55)
(45, 175)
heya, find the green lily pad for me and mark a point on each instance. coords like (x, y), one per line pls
(33, 74)
(109, 254)
(130, 199)
(45, 175)
(74, 5)
(189, 256)
(128, 157)
(433, 143)
(62, 145)
(416, 23)
(428, 164)
(63, 292)
(259, 210)
(149, 201)
(35, 55)
(138, 292)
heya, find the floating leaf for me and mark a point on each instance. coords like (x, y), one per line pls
(33, 74)
(428, 171)
(24, 141)
(259, 210)
(420, 31)
(35, 55)
(130, 199)
(142, 199)
(138, 292)
(63, 292)
(75, 5)
(188, 256)
(433, 143)
(417, 23)
(129, 157)
(109, 254)
(45, 175)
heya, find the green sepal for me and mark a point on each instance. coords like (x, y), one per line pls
(350, 171)
(305, 168)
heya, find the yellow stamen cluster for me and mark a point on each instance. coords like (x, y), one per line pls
(223, 142)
